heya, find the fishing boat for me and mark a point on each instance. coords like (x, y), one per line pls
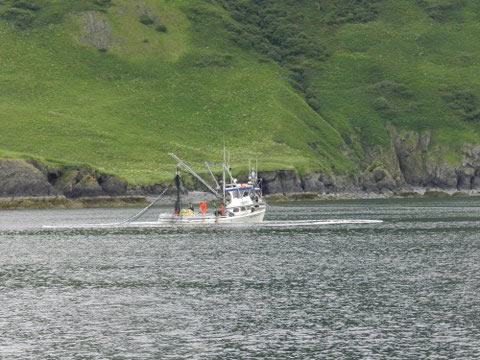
(237, 202)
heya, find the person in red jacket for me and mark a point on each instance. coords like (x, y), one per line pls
(203, 207)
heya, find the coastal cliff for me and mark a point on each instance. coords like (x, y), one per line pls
(413, 163)
(20, 178)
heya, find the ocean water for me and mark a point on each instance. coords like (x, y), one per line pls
(407, 288)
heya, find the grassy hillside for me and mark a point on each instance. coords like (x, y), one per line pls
(308, 85)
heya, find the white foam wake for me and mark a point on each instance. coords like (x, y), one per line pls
(273, 224)
(317, 222)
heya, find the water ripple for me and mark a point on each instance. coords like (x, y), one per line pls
(403, 289)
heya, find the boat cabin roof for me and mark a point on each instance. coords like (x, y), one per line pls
(239, 187)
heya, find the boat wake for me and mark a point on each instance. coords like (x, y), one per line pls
(294, 223)
(264, 224)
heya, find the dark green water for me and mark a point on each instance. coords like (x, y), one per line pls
(408, 288)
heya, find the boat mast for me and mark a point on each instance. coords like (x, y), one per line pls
(178, 184)
(223, 173)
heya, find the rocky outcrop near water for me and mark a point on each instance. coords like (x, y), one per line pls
(19, 178)
(412, 163)
(425, 165)
(284, 182)
(32, 178)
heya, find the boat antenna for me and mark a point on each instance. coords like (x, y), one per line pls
(213, 176)
(250, 170)
(227, 169)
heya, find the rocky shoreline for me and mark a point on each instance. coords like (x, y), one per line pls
(413, 165)
(377, 184)
(30, 178)
(412, 172)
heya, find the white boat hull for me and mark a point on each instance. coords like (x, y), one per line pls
(247, 217)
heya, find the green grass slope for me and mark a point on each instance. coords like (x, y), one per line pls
(414, 67)
(301, 85)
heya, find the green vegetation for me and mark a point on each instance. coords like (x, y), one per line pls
(161, 28)
(146, 20)
(28, 14)
(463, 102)
(306, 85)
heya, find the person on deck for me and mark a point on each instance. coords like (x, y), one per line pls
(203, 207)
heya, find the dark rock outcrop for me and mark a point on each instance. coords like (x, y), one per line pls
(86, 185)
(378, 180)
(32, 178)
(475, 183)
(313, 183)
(281, 181)
(112, 185)
(19, 178)
(427, 166)
(439, 175)
(410, 149)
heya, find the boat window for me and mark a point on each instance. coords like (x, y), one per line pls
(243, 208)
(236, 210)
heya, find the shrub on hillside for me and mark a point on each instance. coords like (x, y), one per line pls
(473, 116)
(393, 99)
(202, 15)
(146, 20)
(463, 102)
(352, 11)
(21, 18)
(272, 30)
(26, 5)
(442, 10)
(103, 2)
(297, 74)
(26, 13)
(459, 99)
(161, 28)
(313, 103)
(384, 108)
(230, 26)
(393, 88)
